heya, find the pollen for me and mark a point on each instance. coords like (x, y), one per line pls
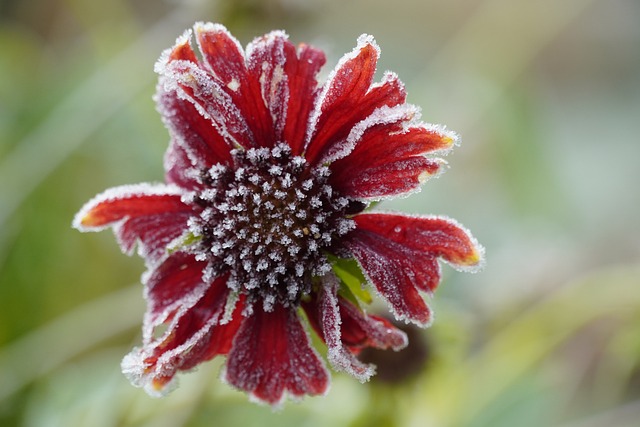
(270, 226)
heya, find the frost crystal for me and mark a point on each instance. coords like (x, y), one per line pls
(269, 221)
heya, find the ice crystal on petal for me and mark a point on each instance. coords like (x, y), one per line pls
(225, 221)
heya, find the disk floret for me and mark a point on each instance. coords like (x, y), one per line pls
(268, 221)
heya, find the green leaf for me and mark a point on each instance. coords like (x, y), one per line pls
(353, 281)
(183, 241)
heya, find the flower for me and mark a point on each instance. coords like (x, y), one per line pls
(261, 234)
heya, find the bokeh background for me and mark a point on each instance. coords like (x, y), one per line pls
(546, 96)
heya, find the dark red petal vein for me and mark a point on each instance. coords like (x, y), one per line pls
(196, 135)
(389, 155)
(301, 69)
(195, 334)
(153, 215)
(399, 255)
(224, 57)
(271, 357)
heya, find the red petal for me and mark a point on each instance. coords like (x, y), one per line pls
(196, 105)
(218, 342)
(288, 83)
(266, 58)
(196, 135)
(151, 215)
(360, 330)
(226, 59)
(301, 70)
(399, 255)
(271, 357)
(348, 98)
(388, 158)
(179, 169)
(325, 315)
(221, 52)
(194, 336)
(177, 277)
(182, 50)
(347, 330)
(212, 101)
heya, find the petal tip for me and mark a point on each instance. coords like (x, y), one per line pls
(209, 27)
(474, 262)
(438, 167)
(82, 221)
(87, 219)
(142, 376)
(181, 50)
(368, 40)
(448, 138)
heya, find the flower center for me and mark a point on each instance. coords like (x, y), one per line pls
(267, 221)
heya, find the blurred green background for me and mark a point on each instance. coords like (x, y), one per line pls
(546, 96)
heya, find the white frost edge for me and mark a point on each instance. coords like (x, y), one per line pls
(363, 40)
(409, 116)
(213, 88)
(161, 64)
(133, 368)
(390, 307)
(264, 40)
(462, 268)
(423, 178)
(210, 27)
(286, 395)
(467, 269)
(279, 83)
(380, 116)
(121, 192)
(340, 358)
(183, 305)
(169, 79)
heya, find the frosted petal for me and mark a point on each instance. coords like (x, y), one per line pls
(169, 285)
(222, 52)
(194, 135)
(179, 168)
(399, 255)
(271, 358)
(151, 215)
(352, 101)
(329, 316)
(389, 154)
(211, 100)
(266, 59)
(361, 330)
(194, 334)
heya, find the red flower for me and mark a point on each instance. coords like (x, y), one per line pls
(268, 177)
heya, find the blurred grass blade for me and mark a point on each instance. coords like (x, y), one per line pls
(493, 47)
(50, 346)
(527, 340)
(87, 108)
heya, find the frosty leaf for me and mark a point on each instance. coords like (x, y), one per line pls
(148, 215)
